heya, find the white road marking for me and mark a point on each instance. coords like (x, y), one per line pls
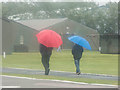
(62, 81)
(9, 86)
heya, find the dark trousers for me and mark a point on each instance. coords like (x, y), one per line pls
(45, 62)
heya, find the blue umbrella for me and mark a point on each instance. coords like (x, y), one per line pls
(80, 41)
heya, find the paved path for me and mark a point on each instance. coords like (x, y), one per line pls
(57, 73)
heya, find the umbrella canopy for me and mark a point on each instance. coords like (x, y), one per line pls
(49, 38)
(80, 41)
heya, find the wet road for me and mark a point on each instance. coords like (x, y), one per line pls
(24, 82)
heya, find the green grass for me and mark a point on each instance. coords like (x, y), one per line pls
(67, 79)
(91, 62)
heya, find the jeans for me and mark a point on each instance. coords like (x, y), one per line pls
(77, 65)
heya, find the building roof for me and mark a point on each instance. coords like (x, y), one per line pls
(60, 25)
(39, 24)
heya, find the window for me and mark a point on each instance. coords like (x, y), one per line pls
(21, 39)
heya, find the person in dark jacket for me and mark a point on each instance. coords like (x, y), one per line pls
(77, 51)
(46, 53)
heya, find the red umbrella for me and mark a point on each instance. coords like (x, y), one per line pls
(49, 38)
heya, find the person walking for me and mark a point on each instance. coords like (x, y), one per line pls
(46, 53)
(77, 51)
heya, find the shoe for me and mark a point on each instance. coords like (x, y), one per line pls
(47, 72)
(78, 73)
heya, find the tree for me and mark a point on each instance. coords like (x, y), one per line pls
(108, 19)
(104, 19)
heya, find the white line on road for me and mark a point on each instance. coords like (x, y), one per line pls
(9, 86)
(61, 81)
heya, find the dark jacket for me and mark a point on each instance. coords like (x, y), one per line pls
(45, 50)
(77, 51)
